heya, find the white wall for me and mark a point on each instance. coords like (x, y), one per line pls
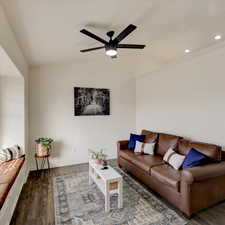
(186, 99)
(12, 129)
(52, 109)
(9, 43)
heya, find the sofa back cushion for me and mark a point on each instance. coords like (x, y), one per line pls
(210, 150)
(195, 158)
(165, 142)
(183, 147)
(150, 136)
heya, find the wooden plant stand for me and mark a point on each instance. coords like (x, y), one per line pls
(43, 160)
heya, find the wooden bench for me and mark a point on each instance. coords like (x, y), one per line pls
(13, 174)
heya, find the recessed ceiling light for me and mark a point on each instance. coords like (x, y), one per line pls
(217, 37)
(187, 51)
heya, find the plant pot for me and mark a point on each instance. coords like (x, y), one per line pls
(96, 161)
(41, 150)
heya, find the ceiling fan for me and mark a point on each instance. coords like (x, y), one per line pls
(112, 45)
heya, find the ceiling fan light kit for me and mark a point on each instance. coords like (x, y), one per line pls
(112, 45)
(110, 50)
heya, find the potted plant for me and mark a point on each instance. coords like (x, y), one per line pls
(43, 145)
(97, 156)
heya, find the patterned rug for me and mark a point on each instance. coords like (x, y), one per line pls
(77, 203)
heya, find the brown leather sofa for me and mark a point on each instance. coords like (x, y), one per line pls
(190, 190)
(8, 173)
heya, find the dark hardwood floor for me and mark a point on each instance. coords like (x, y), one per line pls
(35, 205)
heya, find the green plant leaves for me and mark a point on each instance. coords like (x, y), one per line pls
(45, 142)
(98, 155)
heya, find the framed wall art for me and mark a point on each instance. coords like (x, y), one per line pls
(91, 101)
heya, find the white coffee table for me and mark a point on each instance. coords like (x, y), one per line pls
(109, 181)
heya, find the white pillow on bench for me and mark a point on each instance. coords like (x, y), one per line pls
(11, 153)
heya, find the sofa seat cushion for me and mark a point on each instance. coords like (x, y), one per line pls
(145, 162)
(4, 189)
(167, 175)
(9, 170)
(127, 154)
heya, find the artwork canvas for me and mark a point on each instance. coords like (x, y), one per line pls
(91, 101)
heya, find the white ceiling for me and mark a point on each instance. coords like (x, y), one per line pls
(48, 30)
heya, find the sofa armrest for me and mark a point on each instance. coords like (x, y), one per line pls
(122, 144)
(203, 172)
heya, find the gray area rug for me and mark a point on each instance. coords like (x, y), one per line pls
(77, 203)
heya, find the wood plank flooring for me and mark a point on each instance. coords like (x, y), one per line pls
(35, 205)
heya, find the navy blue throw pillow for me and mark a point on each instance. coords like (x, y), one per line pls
(195, 158)
(133, 139)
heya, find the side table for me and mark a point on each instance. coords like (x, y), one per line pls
(43, 160)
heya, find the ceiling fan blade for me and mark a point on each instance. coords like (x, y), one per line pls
(88, 33)
(91, 49)
(130, 46)
(124, 33)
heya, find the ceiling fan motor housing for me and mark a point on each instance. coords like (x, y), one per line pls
(110, 34)
(110, 46)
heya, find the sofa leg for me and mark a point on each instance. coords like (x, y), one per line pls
(189, 217)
